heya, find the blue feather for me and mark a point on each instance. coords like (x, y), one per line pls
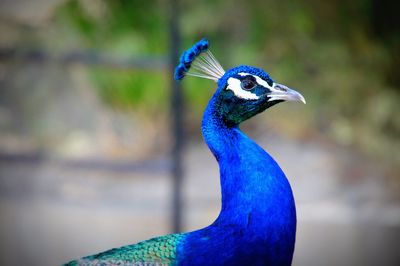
(189, 56)
(179, 72)
(257, 222)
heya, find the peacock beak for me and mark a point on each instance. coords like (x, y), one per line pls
(281, 92)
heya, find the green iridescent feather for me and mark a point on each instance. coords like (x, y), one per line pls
(156, 251)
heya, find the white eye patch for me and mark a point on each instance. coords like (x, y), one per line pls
(265, 84)
(234, 85)
(259, 80)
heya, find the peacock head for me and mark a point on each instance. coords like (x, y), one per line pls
(243, 91)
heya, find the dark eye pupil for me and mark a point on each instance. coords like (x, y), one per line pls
(248, 83)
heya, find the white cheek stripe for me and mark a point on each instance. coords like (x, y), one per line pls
(234, 85)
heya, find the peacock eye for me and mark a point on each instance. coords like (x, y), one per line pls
(248, 83)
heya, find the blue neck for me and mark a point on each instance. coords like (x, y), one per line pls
(251, 180)
(257, 222)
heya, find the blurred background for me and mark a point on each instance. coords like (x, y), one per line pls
(95, 149)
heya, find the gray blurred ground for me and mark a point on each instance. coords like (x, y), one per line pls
(53, 210)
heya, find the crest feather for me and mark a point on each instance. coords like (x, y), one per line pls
(198, 61)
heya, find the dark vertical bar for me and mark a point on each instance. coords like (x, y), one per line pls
(176, 119)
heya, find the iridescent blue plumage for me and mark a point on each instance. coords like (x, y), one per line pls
(257, 222)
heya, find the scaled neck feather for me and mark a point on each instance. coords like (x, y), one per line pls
(251, 180)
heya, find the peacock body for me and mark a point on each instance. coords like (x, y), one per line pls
(257, 222)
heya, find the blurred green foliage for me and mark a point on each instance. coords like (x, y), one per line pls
(143, 89)
(340, 54)
(122, 28)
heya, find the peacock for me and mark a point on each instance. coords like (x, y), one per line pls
(257, 221)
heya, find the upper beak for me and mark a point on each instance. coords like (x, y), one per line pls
(281, 92)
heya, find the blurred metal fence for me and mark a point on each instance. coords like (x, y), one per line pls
(91, 58)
